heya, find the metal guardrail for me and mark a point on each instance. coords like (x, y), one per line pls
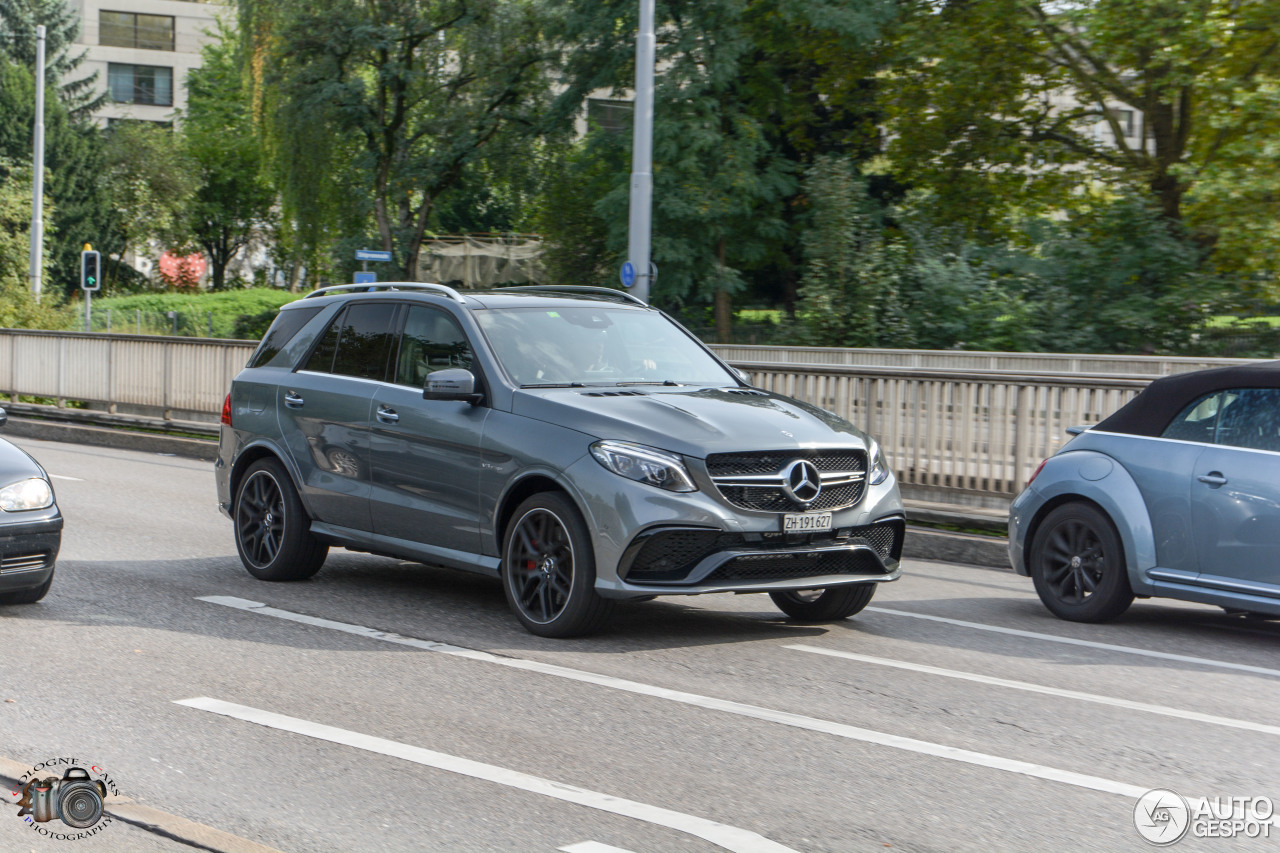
(964, 428)
(1108, 365)
(167, 377)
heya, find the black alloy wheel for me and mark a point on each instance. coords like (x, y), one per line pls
(548, 569)
(272, 528)
(1077, 563)
(824, 605)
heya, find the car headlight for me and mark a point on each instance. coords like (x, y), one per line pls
(26, 494)
(644, 465)
(879, 469)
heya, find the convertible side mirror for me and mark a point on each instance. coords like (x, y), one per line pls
(453, 384)
(4, 417)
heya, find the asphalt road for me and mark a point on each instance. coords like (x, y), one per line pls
(954, 714)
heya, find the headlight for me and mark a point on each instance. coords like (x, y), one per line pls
(644, 465)
(26, 494)
(879, 469)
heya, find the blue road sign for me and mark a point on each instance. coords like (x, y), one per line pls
(366, 277)
(628, 274)
(371, 255)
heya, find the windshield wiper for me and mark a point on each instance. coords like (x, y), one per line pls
(555, 385)
(670, 382)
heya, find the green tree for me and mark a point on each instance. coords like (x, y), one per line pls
(1018, 102)
(394, 98)
(150, 183)
(234, 199)
(61, 20)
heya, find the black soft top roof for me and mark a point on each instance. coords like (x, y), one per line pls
(1161, 401)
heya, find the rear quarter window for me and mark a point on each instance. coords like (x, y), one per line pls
(283, 328)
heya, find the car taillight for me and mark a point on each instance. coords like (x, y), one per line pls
(1039, 467)
(226, 413)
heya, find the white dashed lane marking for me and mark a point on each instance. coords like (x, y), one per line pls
(720, 834)
(920, 747)
(1048, 691)
(1071, 641)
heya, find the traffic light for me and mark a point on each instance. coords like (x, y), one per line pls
(90, 270)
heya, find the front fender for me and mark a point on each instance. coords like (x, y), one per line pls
(1095, 477)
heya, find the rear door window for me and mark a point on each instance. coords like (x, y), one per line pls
(358, 343)
(1197, 421)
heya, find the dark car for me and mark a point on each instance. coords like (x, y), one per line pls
(1176, 495)
(574, 442)
(30, 527)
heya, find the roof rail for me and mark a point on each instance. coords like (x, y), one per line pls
(388, 285)
(620, 295)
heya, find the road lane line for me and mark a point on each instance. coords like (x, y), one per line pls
(1048, 691)
(722, 835)
(1071, 641)
(65, 477)
(591, 847)
(936, 750)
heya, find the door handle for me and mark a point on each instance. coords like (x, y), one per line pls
(387, 415)
(1213, 478)
(292, 400)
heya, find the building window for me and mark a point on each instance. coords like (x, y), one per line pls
(609, 116)
(129, 29)
(150, 85)
(1124, 118)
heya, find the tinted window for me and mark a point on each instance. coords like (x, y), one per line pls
(321, 360)
(366, 340)
(283, 328)
(432, 340)
(1197, 421)
(1251, 419)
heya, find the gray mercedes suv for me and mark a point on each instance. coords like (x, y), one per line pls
(572, 441)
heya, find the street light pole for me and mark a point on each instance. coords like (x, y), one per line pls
(641, 224)
(37, 191)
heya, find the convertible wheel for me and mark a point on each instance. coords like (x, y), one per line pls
(273, 531)
(1078, 567)
(549, 571)
(27, 596)
(824, 605)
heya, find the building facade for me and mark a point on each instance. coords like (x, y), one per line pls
(142, 50)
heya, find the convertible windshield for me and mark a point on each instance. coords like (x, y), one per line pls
(596, 345)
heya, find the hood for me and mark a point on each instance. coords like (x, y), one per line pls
(691, 421)
(16, 465)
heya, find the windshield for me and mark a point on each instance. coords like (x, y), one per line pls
(596, 345)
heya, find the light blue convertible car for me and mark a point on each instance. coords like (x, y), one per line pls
(1176, 495)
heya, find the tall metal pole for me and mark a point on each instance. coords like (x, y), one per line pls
(641, 225)
(37, 191)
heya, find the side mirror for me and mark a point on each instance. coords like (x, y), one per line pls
(744, 376)
(4, 417)
(456, 384)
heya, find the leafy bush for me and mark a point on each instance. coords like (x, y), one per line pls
(232, 312)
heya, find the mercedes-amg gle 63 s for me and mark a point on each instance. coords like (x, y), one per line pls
(574, 442)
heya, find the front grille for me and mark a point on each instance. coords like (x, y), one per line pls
(669, 556)
(24, 562)
(771, 498)
(770, 567)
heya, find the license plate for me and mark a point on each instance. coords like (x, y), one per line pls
(806, 522)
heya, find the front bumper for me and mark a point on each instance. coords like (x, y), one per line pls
(727, 549)
(28, 549)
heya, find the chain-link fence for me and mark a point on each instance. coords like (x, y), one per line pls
(189, 324)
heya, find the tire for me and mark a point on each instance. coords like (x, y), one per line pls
(273, 530)
(1077, 563)
(824, 605)
(27, 596)
(549, 569)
